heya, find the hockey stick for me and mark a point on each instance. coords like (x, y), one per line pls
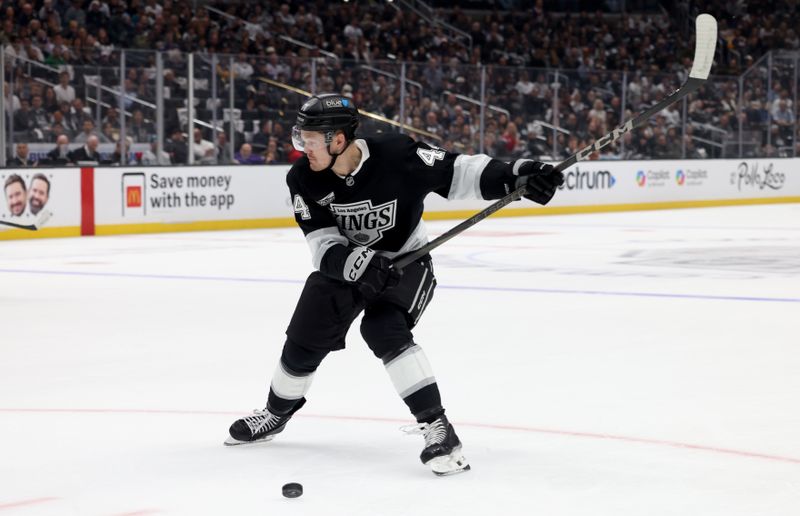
(706, 42)
(41, 221)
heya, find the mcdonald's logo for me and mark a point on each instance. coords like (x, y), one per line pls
(133, 197)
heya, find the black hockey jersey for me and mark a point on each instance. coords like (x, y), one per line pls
(379, 205)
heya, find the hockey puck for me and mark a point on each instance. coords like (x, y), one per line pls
(292, 490)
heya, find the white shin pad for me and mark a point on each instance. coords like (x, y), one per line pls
(289, 386)
(410, 371)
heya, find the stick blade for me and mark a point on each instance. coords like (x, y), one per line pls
(43, 218)
(706, 43)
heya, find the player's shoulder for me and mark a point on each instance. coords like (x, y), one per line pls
(388, 143)
(298, 172)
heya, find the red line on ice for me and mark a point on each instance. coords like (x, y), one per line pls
(23, 503)
(587, 435)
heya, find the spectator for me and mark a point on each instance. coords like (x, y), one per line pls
(12, 101)
(47, 12)
(41, 119)
(79, 112)
(177, 148)
(67, 120)
(283, 16)
(130, 93)
(22, 158)
(290, 153)
(204, 151)
(110, 133)
(352, 31)
(23, 119)
(60, 154)
(273, 154)
(433, 74)
(56, 129)
(58, 56)
(64, 92)
(664, 149)
(116, 157)
(151, 156)
(33, 52)
(172, 88)
(58, 33)
(88, 153)
(88, 131)
(261, 140)
(275, 68)
(97, 17)
(245, 156)
(75, 13)
(112, 117)
(784, 118)
(139, 129)
(432, 124)
(598, 113)
(242, 69)
(50, 100)
(223, 149)
(510, 139)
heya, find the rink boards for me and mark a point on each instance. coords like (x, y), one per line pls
(119, 200)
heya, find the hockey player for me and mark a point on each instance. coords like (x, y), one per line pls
(359, 203)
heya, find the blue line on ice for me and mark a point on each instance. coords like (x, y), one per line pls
(441, 287)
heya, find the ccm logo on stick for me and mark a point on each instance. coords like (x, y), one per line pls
(615, 135)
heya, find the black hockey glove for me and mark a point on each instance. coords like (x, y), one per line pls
(373, 272)
(540, 179)
(379, 277)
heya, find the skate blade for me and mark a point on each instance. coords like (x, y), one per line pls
(230, 441)
(449, 464)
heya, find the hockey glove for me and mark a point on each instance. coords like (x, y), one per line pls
(373, 272)
(540, 180)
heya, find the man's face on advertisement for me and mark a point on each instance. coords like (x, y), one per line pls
(39, 195)
(16, 197)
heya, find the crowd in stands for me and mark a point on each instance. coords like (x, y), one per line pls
(538, 67)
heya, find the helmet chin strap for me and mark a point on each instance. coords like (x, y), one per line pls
(334, 156)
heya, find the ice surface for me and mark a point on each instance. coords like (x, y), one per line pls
(620, 364)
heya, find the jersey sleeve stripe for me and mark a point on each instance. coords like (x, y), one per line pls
(467, 172)
(321, 240)
(518, 164)
(417, 239)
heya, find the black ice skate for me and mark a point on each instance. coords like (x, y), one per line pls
(260, 426)
(442, 447)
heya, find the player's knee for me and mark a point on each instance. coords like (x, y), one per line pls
(301, 359)
(385, 346)
(390, 354)
(378, 341)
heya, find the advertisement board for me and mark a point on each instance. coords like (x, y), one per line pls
(606, 185)
(113, 200)
(29, 192)
(147, 197)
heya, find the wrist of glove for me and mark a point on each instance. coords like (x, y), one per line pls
(373, 273)
(540, 180)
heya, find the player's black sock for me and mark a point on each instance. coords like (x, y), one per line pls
(425, 404)
(278, 405)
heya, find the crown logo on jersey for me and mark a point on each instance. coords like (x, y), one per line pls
(362, 223)
(327, 199)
